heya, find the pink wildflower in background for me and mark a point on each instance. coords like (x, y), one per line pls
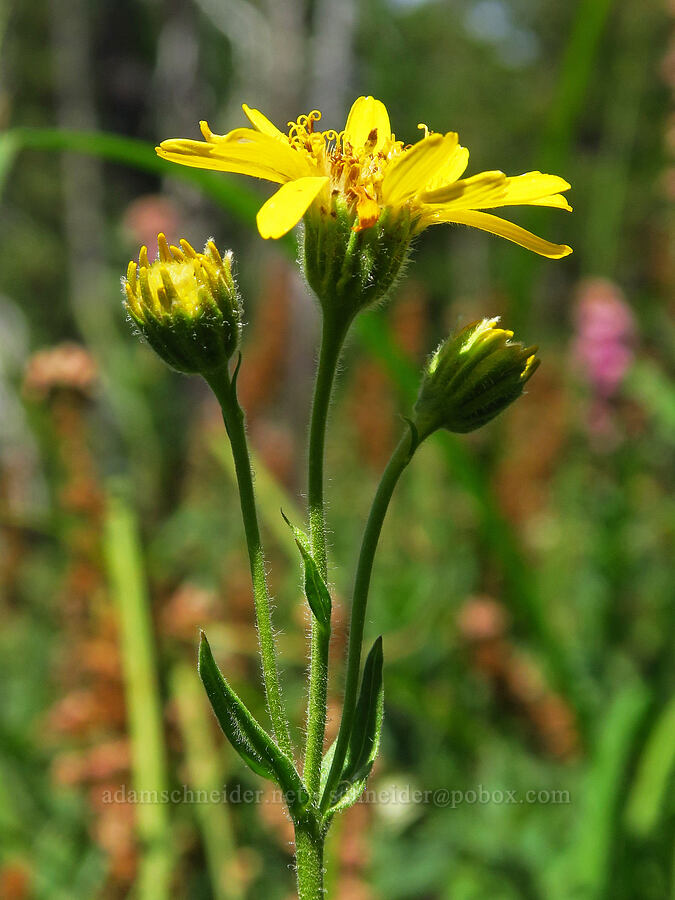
(603, 348)
(146, 216)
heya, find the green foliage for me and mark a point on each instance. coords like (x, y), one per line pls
(364, 740)
(647, 804)
(316, 590)
(246, 735)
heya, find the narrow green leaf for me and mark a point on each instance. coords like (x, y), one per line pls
(364, 741)
(326, 763)
(316, 590)
(647, 801)
(350, 792)
(365, 737)
(246, 735)
(229, 710)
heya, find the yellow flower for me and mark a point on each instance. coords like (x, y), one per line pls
(365, 167)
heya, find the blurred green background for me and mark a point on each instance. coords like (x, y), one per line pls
(524, 586)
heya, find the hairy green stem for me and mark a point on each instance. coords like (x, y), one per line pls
(332, 339)
(309, 844)
(397, 463)
(225, 390)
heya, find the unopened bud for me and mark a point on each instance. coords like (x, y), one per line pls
(471, 378)
(186, 305)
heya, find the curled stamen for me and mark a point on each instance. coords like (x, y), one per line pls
(298, 133)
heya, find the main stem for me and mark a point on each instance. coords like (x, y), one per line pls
(233, 416)
(309, 844)
(397, 463)
(332, 338)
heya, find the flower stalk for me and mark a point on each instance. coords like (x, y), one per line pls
(225, 390)
(397, 463)
(332, 339)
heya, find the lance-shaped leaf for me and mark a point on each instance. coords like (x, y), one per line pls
(246, 735)
(365, 737)
(316, 590)
(364, 741)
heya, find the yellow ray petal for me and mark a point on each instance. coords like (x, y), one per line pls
(501, 228)
(470, 193)
(261, 123)
(366, 116)
(285, 208)
(198, 159)
(532, 186)
(532, 189)
(287, 159)
(453, 168)
(413, 169)
(555, 200)
(209, 136)
(244, 151)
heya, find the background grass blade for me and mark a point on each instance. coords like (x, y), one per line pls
(242, 202)
(590, 855)
(144, 705)
(649, 792)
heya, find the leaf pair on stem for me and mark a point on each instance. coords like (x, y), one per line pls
(263, 755)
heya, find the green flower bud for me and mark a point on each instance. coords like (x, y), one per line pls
(348, 266)
(185, 305)
(471, 378)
